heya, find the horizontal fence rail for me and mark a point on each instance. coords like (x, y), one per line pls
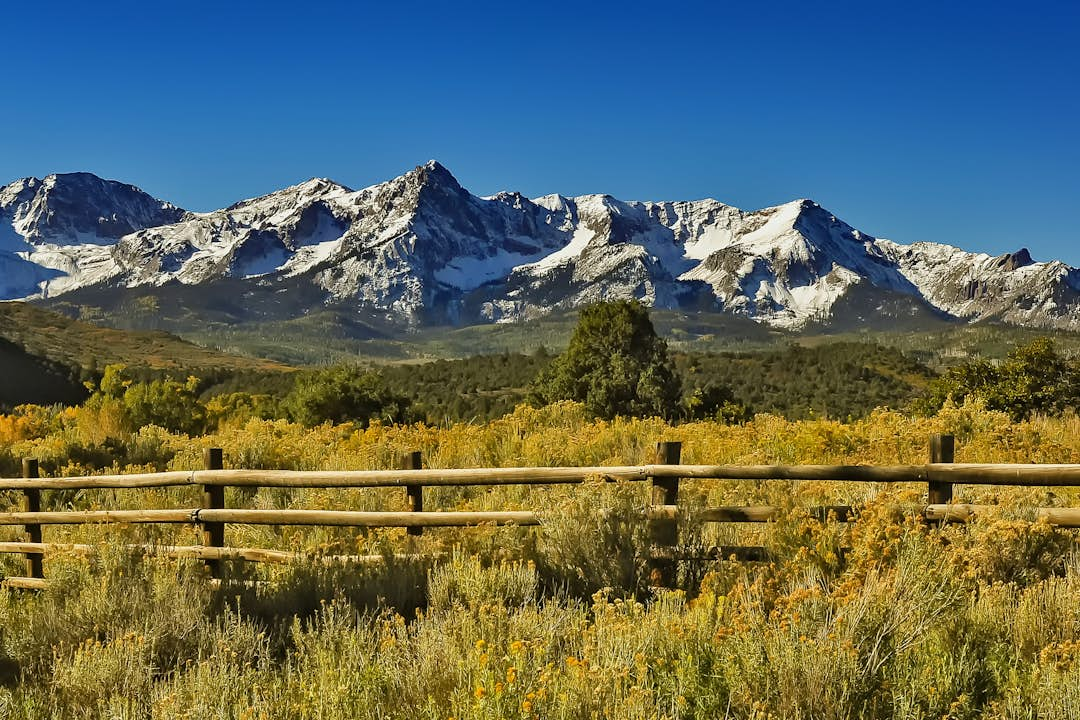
(963, 512)
(360, 518)
(201, 552)
(960, 473)
(940, 475)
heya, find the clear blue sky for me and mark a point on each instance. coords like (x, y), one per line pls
(947, 121)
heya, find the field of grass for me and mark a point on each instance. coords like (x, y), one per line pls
(884, 617)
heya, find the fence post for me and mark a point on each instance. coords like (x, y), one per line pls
(665, 491)
(413, 461)
(213, 498)
(32, 503)
(942, 450)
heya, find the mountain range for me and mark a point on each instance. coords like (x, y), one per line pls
(422, 250)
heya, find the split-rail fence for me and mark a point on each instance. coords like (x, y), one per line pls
(939, 475)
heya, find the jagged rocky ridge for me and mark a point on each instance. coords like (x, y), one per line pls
(421, 249)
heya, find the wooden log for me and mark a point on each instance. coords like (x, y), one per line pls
(414, 493)
(266, 556)
(747, 514)
(352, 518)
(665, 488)
(664, 530)
(837, 473)
(32, 504)
(942, 450)
(276, 517)
(966, 473)
(88, 517)
(429, 477)
(1061, 517)
(563, 475)
(752, 513)
(26, 583)
(952, 512)
(965, 512)
(214, 499)
(201, 552)
(104, 482)
(1005, 474)
(40, 548)
(330, 479)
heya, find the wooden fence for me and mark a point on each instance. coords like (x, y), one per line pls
(939, 475)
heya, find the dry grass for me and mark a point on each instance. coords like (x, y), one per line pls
(880, 618)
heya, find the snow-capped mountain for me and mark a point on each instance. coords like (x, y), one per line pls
(56, 234)
(422, 249)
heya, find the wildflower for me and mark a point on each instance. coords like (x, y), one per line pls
(480, 692)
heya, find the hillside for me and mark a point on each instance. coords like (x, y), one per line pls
(836, 380)
(45, 356)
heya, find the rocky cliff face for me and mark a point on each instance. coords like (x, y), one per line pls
(422, 249)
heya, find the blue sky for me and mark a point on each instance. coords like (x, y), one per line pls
(953, 122)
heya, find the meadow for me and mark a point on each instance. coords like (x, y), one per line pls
(883, 617)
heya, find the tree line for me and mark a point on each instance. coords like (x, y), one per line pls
(615, 365)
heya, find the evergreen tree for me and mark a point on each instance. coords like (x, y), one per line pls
(615, 365)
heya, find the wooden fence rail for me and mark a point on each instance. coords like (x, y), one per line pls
(938, 473)
(939, 476)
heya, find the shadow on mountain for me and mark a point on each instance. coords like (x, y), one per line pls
(866, 307)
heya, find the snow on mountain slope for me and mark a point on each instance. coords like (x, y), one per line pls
(249, 239)
(1011, 287)
(55, 233)
(421, 249)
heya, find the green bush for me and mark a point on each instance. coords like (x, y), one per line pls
(1034, 378)
(342, 394)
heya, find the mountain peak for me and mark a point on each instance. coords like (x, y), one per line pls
(322, 182)
(435, 173)
(319, 186)
(82, 208)
(420, 248)
(1014, 261)
(74, 177)
(435, 190)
